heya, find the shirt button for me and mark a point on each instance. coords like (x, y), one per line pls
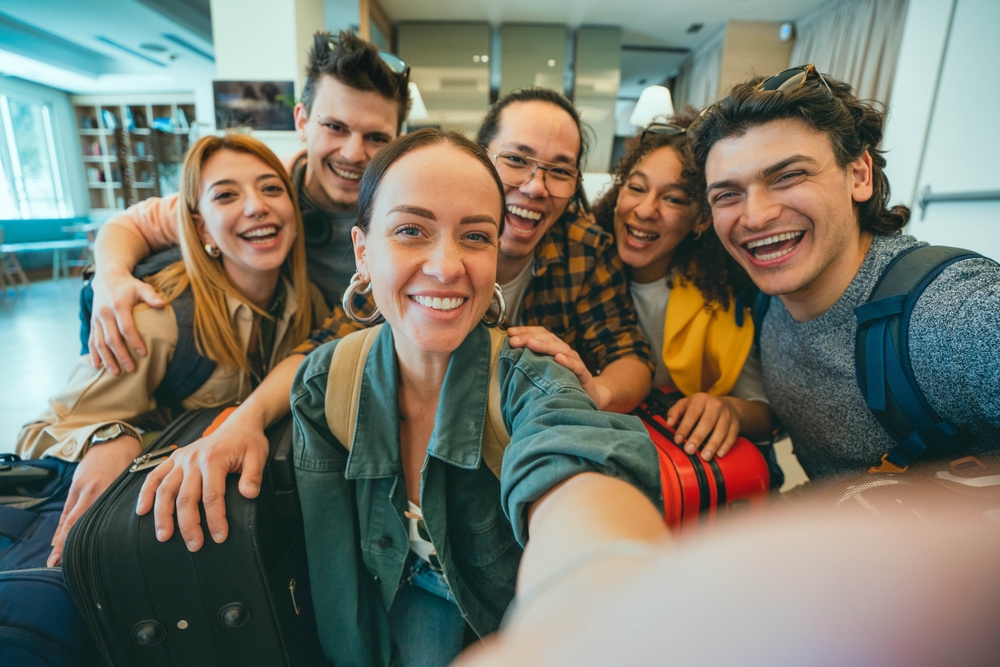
(384, 542)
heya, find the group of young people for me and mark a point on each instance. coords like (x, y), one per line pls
(781, 186)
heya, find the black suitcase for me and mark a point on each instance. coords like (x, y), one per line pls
(243, 602)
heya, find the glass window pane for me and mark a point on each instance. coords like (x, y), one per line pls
(33, 153)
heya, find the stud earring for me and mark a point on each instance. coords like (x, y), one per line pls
(212, 251)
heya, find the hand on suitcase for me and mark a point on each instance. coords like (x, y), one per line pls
(101, 465)
(197, 473)
(704, 421)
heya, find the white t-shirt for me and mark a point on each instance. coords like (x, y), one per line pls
(418, 545)
(651, 306)
(513, 294)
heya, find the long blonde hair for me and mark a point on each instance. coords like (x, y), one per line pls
(215, 336)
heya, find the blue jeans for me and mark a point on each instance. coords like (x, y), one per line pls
(424, 621)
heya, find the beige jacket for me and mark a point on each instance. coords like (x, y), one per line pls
(93, 398)
(155, 219)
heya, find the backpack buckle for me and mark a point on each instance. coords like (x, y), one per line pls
(887, 466)
(967, 465)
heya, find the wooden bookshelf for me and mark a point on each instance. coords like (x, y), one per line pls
(132, 146)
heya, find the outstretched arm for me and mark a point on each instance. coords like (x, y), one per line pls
(123, 242)
(197, 473)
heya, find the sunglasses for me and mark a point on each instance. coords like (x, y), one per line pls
(668, 129)
(792, 79)
(394, 62)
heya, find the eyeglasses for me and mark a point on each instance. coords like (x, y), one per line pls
(668, 129)
(516, 170)
(791, 79)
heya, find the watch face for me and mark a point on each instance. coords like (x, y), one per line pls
(108, 431)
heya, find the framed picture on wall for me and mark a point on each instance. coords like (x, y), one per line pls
(260, 105)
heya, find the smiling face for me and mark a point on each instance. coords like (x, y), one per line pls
(653, 215)
(431, 248)
(785, 210)
(344, 130)
(245, 211)
(544, 131)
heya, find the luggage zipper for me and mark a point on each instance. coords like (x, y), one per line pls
(152, 459)
(295, 605)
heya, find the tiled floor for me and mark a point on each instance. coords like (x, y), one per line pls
(39, 343)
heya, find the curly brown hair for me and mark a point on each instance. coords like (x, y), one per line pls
(852, 125)
(702, 260)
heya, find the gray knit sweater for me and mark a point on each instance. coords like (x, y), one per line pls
(954, 339)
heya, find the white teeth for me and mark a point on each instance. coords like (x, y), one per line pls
(773, 239)
(260, 232)
(524, 213)
(773, 255)
(437, 303)
(349, 175)
(643, 236)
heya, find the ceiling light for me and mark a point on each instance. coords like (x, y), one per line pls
(155, 48)
(475, 59)
(694, 28)
(654, 104)
(485, 59)
(418, 110)
(552, 63)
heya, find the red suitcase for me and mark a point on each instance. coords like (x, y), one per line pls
(696, 492)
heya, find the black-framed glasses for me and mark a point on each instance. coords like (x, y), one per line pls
(792, 79)
(668, 129)
(515, 170)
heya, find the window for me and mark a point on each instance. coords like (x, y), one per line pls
(31, 184)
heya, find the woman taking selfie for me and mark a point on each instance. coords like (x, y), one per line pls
(684, 285)
(414, 502)
(242, 281)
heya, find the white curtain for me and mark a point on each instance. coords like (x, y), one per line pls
(698, 77)
(856, 41)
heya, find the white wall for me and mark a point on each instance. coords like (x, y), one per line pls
(64, 128)
(945, 132)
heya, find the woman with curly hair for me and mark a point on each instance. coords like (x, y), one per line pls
(684, 285)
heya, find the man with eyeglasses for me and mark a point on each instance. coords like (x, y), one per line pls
(354, 102)
(799, 196)
(563, 282)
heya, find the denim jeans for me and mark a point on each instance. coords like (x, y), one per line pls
(425, 622)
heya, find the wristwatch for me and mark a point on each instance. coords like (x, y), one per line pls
(112, 431)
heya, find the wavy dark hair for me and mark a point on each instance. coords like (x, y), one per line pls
(854, 126)
(702, 260)
(355, 63)
(388, 156)
(491, 125)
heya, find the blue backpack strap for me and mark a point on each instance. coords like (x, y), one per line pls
(882, 358)
(751, 297)
(187, 370)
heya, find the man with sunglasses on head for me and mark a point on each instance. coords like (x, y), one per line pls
(354, 102)
(562, 280)
(798, 193)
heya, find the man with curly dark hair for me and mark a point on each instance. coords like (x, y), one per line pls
(354, 102)
(799, 196)
(684, 286)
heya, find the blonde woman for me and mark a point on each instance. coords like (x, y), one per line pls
(243, 269)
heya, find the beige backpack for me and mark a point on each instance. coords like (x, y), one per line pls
(343, 387)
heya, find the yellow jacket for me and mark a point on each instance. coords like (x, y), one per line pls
(703, 350)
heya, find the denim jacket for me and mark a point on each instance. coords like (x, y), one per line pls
(353, 503)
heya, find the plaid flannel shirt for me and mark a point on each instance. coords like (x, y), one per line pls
(578, 291)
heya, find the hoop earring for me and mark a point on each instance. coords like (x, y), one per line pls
(502, 308)
(348, 301)
(212, 251)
